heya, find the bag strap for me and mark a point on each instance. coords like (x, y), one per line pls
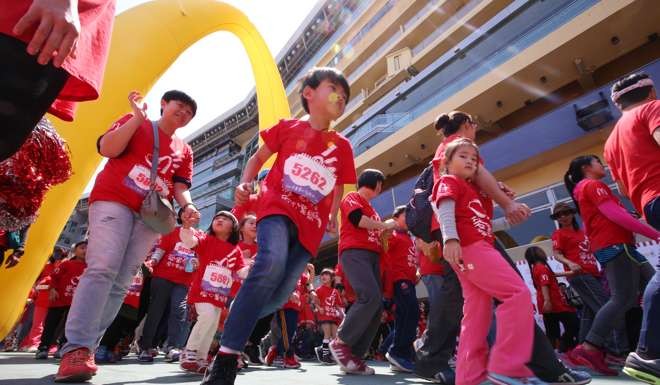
(154, 157)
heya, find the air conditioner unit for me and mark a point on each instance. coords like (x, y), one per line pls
(594, 115)
(399, 60)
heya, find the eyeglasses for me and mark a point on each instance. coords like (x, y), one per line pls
(563, 213)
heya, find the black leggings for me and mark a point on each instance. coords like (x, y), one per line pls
(569, 320)
(260, 330)
(27, 89)
(55, 319)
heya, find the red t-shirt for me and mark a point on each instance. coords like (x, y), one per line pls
(542, 276)
(306, 315)
(219, 263)
(249, 207)
(331, 304)
(633, 155)
(43, 285)
(296, 298)
(401, 257)
(252, 249)
(300, 184)
(602, 232)
(574, 245)
(132, 298)
(426, 267)
(349, 293)
(176, 254)
(65, 280)
(473, 212)
(352, 237)
(125, 179)
(88, 65)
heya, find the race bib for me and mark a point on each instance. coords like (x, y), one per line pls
(182, 250)
(139, 177)
(308, 177)
(217, 279)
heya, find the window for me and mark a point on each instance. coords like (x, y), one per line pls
(396, 63)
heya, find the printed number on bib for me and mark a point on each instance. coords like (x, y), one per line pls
(308, 177)
(217, 279)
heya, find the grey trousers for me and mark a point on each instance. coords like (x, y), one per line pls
(625, 277)
(359, 327)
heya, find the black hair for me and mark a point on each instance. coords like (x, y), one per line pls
(83, 242)
(178, 216)
(316, 75)
(575, 174)
(450, 123)
(535, 254)
(398, 211)
(182, 97)
(234, 236)
(370, 177)
(634, 96)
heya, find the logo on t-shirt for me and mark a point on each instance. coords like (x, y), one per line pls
(479, 218)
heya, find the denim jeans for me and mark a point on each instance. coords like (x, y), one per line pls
(649, 338)
(164, 293)
(291, 322)
(118, 244)
(406, 318)
(278, 265)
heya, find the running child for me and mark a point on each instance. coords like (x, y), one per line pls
(299, 201)
(610, 229)
(329, 314)
(465, 219)
(220, 263)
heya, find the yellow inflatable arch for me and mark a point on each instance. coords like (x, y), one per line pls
(145, 42)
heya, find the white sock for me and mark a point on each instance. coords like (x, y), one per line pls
(226, 350)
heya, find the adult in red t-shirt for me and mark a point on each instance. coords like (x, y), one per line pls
(298, 201)
(63, 284)
(173, 262)
(401, 277)
(54, 55)
(610, 229)
(119, 239)
(360, 246)
(551, 303)
(633, 153)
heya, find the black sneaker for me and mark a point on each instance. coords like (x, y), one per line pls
(41, 355)
(444, 376)
(252, 353)
(222, 370)
(572, 377)
(642, 369)
(326, 357)
(319, 353)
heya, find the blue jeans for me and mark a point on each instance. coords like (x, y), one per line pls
(406, 317)
(164, 293)
(649, 338)
(278, 265)
(118, 244)
(291, 321)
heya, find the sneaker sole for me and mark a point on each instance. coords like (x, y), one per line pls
(74, 378)
(398, 366)
(642, 376)
(338, 361)
(356, 373)
(584, 363)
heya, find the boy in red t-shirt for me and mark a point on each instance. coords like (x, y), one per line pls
(299, 200)
(63, 284)
(401, 273)
(119, 239)
(329, 314)
(360, 246)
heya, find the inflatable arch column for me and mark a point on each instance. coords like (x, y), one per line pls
(145, 42)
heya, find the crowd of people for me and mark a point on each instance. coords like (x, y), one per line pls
(215, 299)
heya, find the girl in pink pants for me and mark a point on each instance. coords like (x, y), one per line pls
(465, 218)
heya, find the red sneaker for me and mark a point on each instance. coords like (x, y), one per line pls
(291, 362)
(76, 366)
(191, 367)
(347, 361)
(270, 356)
(593, 359)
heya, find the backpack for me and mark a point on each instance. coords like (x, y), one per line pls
(418, 210)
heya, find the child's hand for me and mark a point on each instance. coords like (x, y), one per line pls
(149, 264)
(516, 213)
(332, 225)
(574, 267)
(547, 306)
(53, 295)
(452, 252)
(242, 193)
(138, 105)
(57, 26)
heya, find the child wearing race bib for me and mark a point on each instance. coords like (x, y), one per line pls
(298, 200)
(220, 264)
(465, 220)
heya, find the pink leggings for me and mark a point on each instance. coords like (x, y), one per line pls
(487, 276)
